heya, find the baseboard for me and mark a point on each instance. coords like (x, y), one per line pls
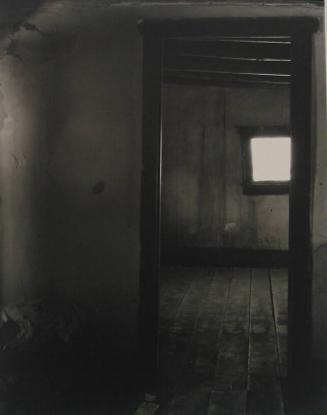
(224, 257)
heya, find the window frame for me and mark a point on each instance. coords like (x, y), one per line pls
(251, 187)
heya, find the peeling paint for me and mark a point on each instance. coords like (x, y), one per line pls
(11, 49)
(33, 28)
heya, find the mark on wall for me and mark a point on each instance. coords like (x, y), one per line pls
(33, 28)
(11, 49)
(98, 188)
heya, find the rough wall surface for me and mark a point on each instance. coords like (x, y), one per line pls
(23, 99)
(202, 197)
(319, 227)
(70, 111)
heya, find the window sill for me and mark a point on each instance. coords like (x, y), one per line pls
(266, 188)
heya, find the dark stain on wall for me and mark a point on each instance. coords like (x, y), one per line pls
(98, 188)
(14, 12)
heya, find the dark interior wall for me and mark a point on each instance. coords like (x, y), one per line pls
(202, 197)
(93, 203)
(70, 196)
(23, 111)
(71, 120)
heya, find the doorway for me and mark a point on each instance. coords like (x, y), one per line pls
(298, 33)
(224, 224)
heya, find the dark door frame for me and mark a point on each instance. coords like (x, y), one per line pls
(300, 31)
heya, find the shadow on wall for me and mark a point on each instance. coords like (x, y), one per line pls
(319, 307)
(14, 12)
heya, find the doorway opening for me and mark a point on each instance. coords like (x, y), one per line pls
(178, 56)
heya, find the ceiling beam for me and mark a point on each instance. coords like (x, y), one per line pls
(187, 63)
(238, 49)
(223, 79)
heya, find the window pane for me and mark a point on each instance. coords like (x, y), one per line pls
(271, 158)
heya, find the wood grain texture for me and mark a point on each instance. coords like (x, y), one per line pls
(279, 282)
(264, 396)
(263, 359)
(235, 65)
(176, 344)
(192, 391)
(203, 204)
(232, 364)
(173, 288)
(265, 392)
(227, 48)
(192, 184)
(227, 403)
(219, 355)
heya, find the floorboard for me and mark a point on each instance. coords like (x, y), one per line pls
(192, 392)
(232, 365)
(265, 393)
(174, 285)
(223, 341)
(175, 344)
(227, 403)
(263, 356)
(279, 283)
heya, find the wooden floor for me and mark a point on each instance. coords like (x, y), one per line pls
(223, 341)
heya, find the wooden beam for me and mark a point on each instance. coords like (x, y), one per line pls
(220, 84)
(225, 257)
(201, 63)
(150, 209)
(300, 273)
(223, 48)
(222, 79)
(269, 26)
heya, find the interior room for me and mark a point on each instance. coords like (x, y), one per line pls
(154, 259)
(224, 234)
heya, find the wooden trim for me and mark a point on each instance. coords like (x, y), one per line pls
(300, 272)
(266, 188)
(237, 26)
(204, 64)
(228, 49)
(224, 257)
(264, 130)
(212, 76)
(223, 82)
(150, 207)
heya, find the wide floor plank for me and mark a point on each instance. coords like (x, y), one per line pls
(174, 284)
(209, 326)
(175, 345)
(265, 393)
(223, 341)
(192, 393)
(263, 358)
(227, 403)
(232, 365)
(279, 283)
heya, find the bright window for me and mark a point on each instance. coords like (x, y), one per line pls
(271, 159)
(266, 158)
